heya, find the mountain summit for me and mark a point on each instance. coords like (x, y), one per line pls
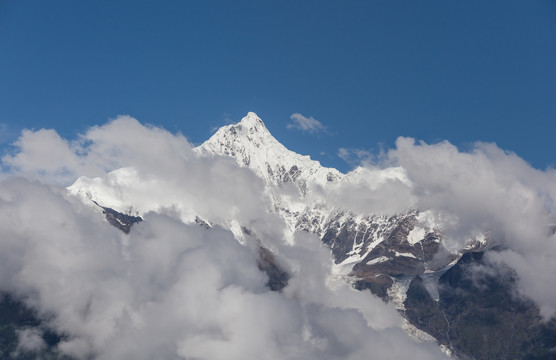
(252, 120)
(252, 145)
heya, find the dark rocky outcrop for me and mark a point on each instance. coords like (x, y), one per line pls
(266, 262)
(118, 219)
(277, 277)
(478, 314)
(378, 284)
(395, 257)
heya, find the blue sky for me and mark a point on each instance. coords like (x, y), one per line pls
(369, 71)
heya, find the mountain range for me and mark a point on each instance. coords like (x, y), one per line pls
(450, 296)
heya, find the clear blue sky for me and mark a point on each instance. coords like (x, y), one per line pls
(368, 70)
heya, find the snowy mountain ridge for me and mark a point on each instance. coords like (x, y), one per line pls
(298, 188)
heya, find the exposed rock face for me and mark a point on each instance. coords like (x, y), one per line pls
(277, 277)
(119, 220)
(379, 248)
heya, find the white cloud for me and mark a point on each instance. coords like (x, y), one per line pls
(175, 290)
(171, 289)
(343, 153)
(306, 124)
(45, 154)
(5, 133)
(356, 156)
(483, 191)
(371, 190)
(180, 291)
(488, 190)
(30, 340)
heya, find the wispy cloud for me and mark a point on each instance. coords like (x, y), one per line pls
(306, 124)
(352, 154)
(364, 157)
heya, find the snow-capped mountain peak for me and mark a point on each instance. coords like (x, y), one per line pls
(250, 143)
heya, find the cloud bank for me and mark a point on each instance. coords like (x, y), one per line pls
(485, 191)
(171, 289)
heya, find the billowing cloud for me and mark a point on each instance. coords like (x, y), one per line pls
(58, 163)
(30, 340)
(372, 190)
(306, 124)
(141, 166)
(487, 191)
(171, 289)
(45, 156)
(483, 192)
